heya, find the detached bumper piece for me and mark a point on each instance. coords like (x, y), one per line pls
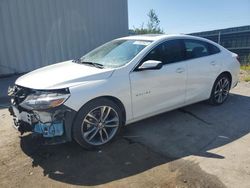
(49, 130)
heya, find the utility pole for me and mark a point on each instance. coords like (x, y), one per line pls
(219, 37)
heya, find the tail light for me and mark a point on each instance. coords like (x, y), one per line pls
(238, 58)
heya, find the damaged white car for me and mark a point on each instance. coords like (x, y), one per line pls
(123, 81)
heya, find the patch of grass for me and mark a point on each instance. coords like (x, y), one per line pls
(245, 67)
(245, 73)
(247, 79)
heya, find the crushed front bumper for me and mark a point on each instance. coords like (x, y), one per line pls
(54, 123)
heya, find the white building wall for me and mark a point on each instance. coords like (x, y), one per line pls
(36, 33)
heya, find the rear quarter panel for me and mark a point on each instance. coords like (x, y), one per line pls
(231, 64)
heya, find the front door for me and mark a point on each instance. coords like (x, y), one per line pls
(157, 90)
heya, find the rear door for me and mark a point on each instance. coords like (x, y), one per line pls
(203, 67)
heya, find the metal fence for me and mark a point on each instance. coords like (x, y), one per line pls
(236, 39)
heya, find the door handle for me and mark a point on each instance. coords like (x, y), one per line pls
(180, 70)
(213, 63)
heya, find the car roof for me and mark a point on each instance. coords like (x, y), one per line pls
(156, 37)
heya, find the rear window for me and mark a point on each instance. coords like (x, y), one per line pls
(213, 49)
(197, 48)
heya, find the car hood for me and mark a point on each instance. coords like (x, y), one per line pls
(62, 75)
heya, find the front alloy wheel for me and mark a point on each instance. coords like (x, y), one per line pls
(100, 125)
(97, 123)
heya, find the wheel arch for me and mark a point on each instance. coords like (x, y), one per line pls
(119, 103)
(229, 76)
(112, 98)
(222, 73)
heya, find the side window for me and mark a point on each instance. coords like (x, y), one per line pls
(155, 54)
(196, 49)
(168, 52)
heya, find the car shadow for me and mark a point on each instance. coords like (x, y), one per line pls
(192, 130)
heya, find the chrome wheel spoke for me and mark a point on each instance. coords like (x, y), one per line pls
(105, 114)
(220, 84)
(111, 126)
(101, 136)
(102, 111)
(92, 117)
(225, 85)
(216, 93)
(115, 119)
(106, 133)
(220, 98)
(89, 122)
(93, 135)
(86, 134)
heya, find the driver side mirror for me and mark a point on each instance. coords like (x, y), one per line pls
(150, 65)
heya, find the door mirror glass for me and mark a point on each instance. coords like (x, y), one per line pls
(150, 65)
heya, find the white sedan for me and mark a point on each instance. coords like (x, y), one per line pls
(123, 81)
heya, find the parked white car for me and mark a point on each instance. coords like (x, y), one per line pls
(123, 81)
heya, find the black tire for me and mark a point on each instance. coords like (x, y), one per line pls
(79, 126)
(214, 98)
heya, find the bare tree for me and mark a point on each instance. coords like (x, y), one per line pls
(153, 25)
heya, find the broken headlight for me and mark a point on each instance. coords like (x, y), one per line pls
(11, 90)
(43, 100)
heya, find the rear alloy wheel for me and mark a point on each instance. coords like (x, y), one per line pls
(220, 90)
(97, 123)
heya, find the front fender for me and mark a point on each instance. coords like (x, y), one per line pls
(83, 93)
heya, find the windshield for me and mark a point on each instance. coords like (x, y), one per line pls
(115, 53)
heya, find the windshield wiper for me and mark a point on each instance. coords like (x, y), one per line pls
(97, 65)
